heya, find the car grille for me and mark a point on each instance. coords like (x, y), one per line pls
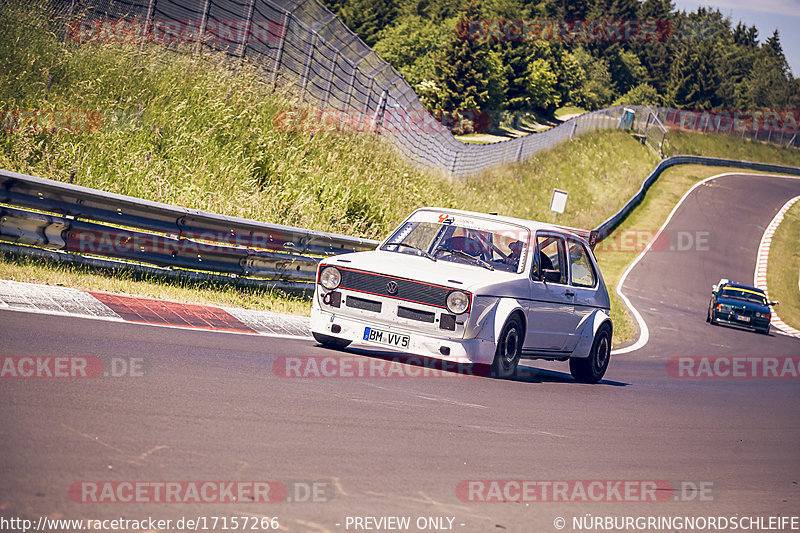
(410, 291)
(361, 303)
(416, 314)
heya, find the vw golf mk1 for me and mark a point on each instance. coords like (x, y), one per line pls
(471, 288)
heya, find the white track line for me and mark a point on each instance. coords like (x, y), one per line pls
(760, 275)
(644, 333)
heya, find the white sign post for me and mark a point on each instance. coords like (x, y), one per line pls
(558, 202)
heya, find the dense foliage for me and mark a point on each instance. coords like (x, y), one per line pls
(463, 55)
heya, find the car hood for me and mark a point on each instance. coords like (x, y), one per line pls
(751, 306)
(417, 268)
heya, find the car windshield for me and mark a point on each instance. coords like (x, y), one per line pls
(744, 294)
(492, 245)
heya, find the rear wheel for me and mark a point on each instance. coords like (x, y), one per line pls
(592, 369)
(509, 349)
(764, 331)
(330, 342)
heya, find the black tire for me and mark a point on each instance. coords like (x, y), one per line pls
(708, 314)
(711, 318)
(509, 349)
(330, 342)
(764, 331)
(592, 369)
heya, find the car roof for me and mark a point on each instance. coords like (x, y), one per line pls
(735, 285)
(530, 224)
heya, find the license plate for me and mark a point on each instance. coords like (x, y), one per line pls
(387, 338)
(741, 318)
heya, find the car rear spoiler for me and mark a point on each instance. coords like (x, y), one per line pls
(589, 236)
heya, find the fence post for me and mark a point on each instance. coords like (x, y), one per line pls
(330, 80)
(279, 53)
(151, 6)
(353, 80)
(69, 19)
(203, 24)
(307, 67)
(453, 166)
(246, 36)
(519, 152)
(378, 117)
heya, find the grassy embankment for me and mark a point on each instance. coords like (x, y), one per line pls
(189, 131)
(783, 269)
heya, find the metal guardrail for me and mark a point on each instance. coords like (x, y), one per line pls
(613, 222)
(69, 218)
(61, 221)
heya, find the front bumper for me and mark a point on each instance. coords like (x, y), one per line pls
(730, 319)
(480, 351)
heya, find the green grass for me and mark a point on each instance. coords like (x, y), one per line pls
(729, 147)
(568, 110)
(783, 269)
(190, 131)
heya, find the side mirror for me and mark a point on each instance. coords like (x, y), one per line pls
(553, 276)
(772, 303)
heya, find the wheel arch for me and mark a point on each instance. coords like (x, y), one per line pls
(506, 308)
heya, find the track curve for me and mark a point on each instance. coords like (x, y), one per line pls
(210, 406)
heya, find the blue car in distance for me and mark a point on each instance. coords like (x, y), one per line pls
(739, 305)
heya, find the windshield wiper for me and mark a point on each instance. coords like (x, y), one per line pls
(465, 255)
(421, 251)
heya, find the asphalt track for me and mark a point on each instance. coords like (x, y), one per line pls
(210, 407)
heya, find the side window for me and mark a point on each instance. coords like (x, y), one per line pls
(552, 267)
(583, 274)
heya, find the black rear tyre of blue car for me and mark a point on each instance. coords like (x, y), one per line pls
(592, 369)
(331, 342)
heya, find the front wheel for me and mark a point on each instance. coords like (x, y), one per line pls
(592, 369)
(509, 349)
(330, 342)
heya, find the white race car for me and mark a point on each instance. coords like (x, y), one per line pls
(471, 288)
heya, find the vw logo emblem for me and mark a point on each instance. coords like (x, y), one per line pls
(391, 287)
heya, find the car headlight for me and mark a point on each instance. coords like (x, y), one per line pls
(724, 308)
(457, 302)
(330, 277)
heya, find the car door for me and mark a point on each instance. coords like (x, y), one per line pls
(584, 282)
(551, 320)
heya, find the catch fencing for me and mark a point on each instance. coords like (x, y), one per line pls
(305, 49)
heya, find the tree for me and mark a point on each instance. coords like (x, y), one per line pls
(411, 45)
(694, 79)
(642, 94)
(470, 74)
